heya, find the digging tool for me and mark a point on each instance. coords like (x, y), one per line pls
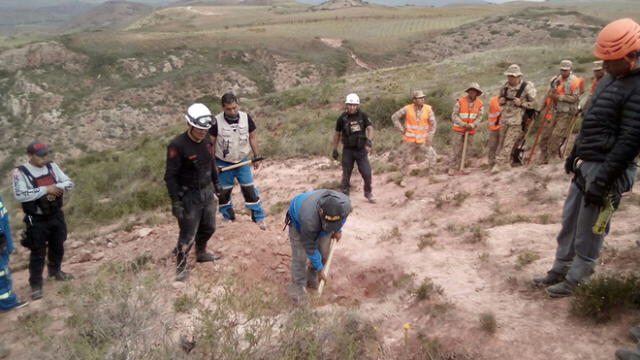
(543, 114)
(464, 153)
(521, 147)
(327, 265)
(242, 163)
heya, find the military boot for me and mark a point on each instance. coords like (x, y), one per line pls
(36, 292)
(182, 274)
(206, 257)
(551, 278)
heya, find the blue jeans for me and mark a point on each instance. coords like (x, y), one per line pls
(249, 191)
(8, 298)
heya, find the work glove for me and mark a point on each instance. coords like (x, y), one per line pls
(335, 155)
(177, 209)
(596, 193)
(570, 162)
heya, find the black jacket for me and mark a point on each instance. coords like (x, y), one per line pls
(189, 165)
(610, 131)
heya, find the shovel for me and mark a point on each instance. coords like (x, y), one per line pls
(242, 163)
(327, 265)
(464, 154)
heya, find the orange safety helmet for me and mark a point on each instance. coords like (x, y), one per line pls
(617, 40)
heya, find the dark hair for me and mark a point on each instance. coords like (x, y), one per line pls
(228, 98)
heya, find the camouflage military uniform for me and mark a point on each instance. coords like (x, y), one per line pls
(511, 121)
(555, 129)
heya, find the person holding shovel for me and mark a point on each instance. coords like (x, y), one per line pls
(315, 218)
(466, 111)
(234, 137)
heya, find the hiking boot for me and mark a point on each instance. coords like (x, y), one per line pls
(36, 292)
(262, 225)
(551, 278)
(206, 257)
(561, 289)
(634, 333)
(370, 198)
(61, 276)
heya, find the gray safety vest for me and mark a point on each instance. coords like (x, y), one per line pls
(232, 142)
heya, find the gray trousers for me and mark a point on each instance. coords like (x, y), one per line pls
(300, 272)
(578, 247)
(360, 157)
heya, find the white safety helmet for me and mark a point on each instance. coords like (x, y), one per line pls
(199, 116)
(352, 99)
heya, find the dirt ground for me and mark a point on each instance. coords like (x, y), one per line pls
(473, 262)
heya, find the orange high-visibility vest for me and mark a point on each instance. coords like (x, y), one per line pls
(416, 130)
(594, 83)
(548, 115)
(575, 83)
(494, 113)
(467, 114)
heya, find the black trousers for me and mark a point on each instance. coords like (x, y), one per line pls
(46, 233)
(361, 157)
(198, 223)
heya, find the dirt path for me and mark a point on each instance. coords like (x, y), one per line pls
(471, 261)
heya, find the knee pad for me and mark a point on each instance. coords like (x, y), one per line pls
(250, 194)
(225, 197)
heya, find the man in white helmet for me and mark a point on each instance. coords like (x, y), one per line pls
(192, 180)
(355, 130)
(234, 138)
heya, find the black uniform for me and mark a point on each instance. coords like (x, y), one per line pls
(354, 139)
(190, 177)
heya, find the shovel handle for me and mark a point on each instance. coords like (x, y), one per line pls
(327, 265)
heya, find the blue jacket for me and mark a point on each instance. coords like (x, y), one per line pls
(305, 219)
(6, 231)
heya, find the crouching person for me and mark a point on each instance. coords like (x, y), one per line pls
(315, 217)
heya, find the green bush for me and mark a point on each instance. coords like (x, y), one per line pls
(605, 296)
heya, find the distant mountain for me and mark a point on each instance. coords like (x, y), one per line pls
(410, 2)
(112, 14)
(37, 15)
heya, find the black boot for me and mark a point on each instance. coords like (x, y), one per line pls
(206, 257)
(551, 278)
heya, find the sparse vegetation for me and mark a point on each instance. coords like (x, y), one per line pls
(606, 296)
(391, 235)
(426, 290)
(488, 322)
(426, 240)
(526, 257)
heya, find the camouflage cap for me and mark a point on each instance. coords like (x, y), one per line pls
(513, 70)
(474, 86)
(418, 94)
(566, 65)
(598, 65)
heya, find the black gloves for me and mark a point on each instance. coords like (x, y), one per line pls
(368, 143)
(596, 193)
(177, 209)
(570, 161)
(335, 155)
(217, 188)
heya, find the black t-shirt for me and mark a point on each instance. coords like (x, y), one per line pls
(340, 123)
(213, 131)
(189, 164)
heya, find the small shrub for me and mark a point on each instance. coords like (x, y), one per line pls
(331, 185)
(605, 296)
(527, 257)
(460, 197)
(184, 303)
(35, 322)
(426, 240)
(409, 194)
(426, 290)
(488, 322)
(393, 234)
(478, 235)
(404, 280)
(278, 207)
